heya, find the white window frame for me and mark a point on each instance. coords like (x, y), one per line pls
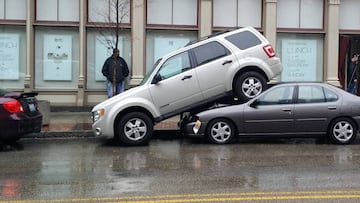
(13, 9)
(300, 14)
(237, 13)
(57, 10)
(172, 12)
(103, 11)
(349, 15)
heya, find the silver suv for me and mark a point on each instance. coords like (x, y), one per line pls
(237, 63)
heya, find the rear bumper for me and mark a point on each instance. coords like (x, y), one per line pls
(13, 128)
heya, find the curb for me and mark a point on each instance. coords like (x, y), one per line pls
(158, 134)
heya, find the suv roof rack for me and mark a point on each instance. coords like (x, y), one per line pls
(211, 35)
(207, 37)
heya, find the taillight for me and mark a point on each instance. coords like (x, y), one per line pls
(269, 51)
(13, 106)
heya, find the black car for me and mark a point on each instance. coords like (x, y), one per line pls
(19, 115)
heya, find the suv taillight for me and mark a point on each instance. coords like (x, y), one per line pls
(13, 106)
(269, 51)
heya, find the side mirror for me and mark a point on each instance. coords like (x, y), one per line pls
(156, 79)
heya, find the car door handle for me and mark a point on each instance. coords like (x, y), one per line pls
(186, 77)
(332, 107)
(226, 62)
(286, 110)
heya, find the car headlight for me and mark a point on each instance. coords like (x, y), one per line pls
(96, 115)
(197, 126)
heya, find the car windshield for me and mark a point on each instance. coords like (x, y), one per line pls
(149, 72)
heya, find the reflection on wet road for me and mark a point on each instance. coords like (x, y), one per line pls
(87, 170)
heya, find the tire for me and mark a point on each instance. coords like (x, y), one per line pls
(220, 131)
(249, 85)
(12, 140)
(134, 129)
(342, 131)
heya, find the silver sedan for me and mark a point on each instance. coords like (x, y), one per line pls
(289, 109)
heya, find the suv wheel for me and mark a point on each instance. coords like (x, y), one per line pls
(134, 128)
(249, 85)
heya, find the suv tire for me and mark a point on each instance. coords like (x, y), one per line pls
(249, 84)
(134, 128)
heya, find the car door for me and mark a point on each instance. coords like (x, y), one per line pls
(213, 60)
(177, 87)
(312, 110)
(271, 113)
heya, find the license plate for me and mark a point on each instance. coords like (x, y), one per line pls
(32, 107)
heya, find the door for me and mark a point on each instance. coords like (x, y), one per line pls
(313, 110)
(213, 61)
(178, 87)
(271, 113)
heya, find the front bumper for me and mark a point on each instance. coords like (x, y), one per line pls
(190, 130)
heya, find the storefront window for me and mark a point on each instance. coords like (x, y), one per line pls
(171, 12)
(300, 14)
(57, 10)
(237, 13)
(56, 58)
(98, 50)
(159, 43)
(12, 9)
(12, 57)
(301, 56)
(349, 14)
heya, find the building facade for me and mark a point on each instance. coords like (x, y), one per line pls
(58, 47)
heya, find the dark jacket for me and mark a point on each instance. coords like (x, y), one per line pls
(122, 70)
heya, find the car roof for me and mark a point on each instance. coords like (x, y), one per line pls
(209, 38)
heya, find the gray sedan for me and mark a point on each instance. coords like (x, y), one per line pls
(289, 109)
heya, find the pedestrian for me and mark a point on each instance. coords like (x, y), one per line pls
(115, 70)
(352, 74)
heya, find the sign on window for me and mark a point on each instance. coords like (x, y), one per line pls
(9, 56)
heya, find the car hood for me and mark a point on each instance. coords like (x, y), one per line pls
(221, 110)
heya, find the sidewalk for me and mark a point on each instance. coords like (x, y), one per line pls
(78, 124)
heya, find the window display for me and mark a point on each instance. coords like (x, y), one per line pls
(56, 58)
(301, 56)
(9, 56)
(12, 56)
(98, 50)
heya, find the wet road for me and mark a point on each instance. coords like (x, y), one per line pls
(89, 170)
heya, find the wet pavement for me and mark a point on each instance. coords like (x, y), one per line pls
(179, 170)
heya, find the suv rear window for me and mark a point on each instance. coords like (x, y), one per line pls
(209, 52)
(244, 40)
